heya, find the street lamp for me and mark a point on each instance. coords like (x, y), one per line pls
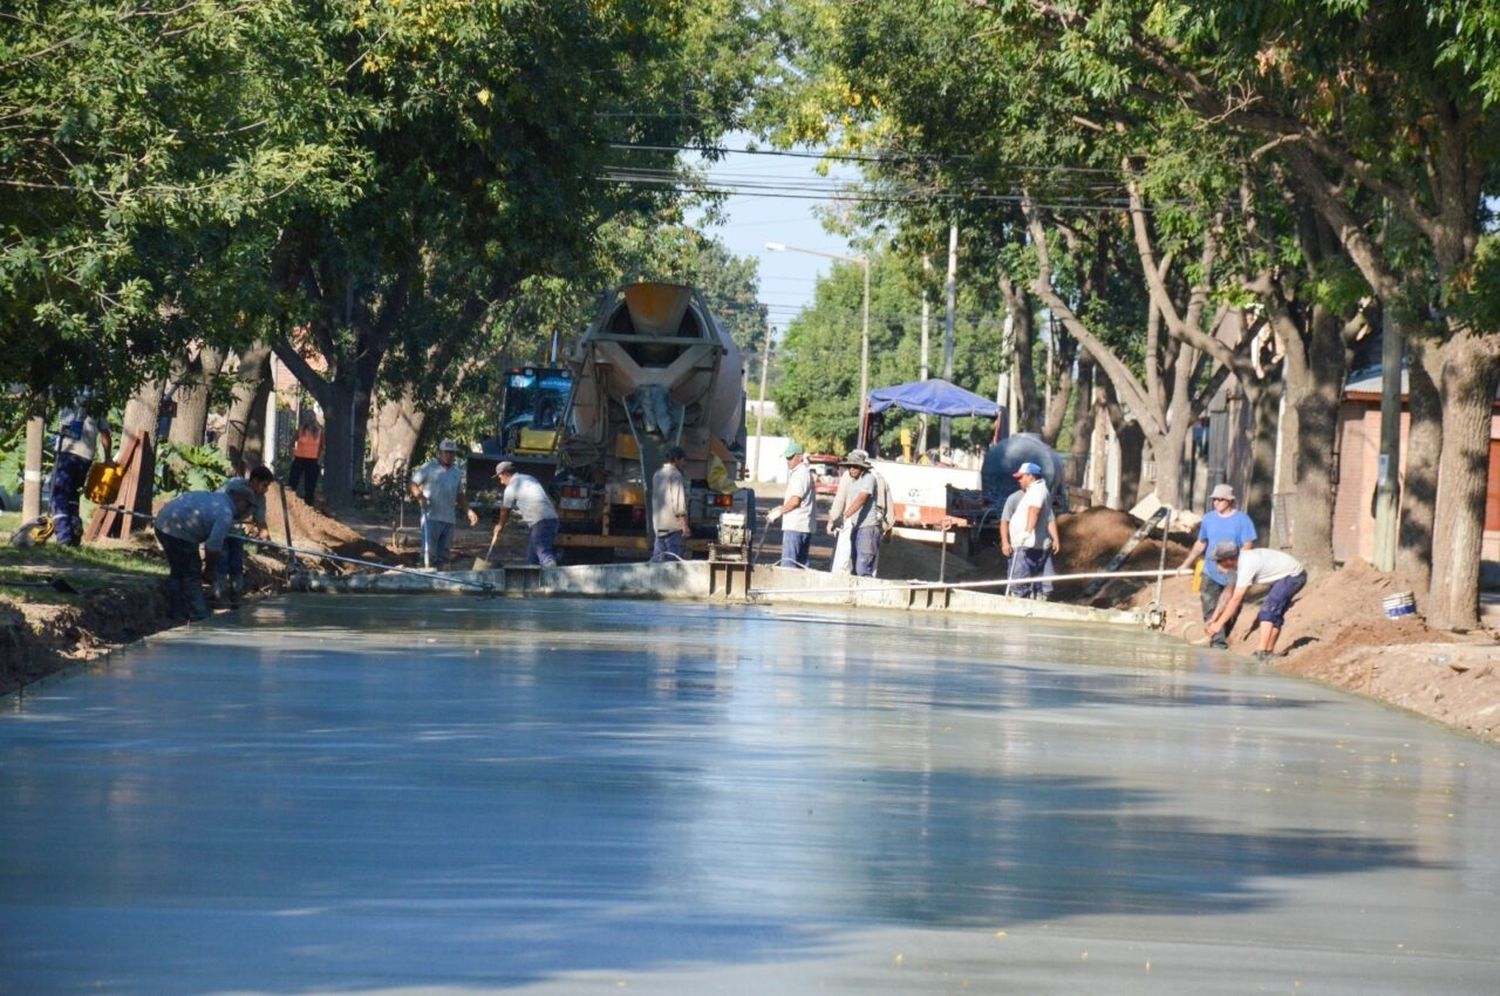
(863, 260)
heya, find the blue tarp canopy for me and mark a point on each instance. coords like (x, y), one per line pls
(933, 397)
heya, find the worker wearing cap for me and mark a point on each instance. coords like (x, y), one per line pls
(1225, 523)
(233, 582)
(669, 509)
(1027, 533)
(861, 515)
(1051, 540)
(1283, 572)
(795, 513)
(79, 434)
(193, 519)
(438, 487)
(525, 496)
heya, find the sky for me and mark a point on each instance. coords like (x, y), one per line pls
(787, 279)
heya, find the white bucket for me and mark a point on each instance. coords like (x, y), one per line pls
(1400, 604)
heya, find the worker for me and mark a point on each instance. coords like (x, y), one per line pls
(1051, 541)
(669, 509)
(1026, 533)
(795, 513)
(192, 519)
(524, 495)
(861, 515)
(232, 585)
(307, 452)
(79, 434)
(1283, 572)
(1224, 522)
(438, 487)
(843, 546)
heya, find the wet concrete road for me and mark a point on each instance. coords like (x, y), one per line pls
(365, 794)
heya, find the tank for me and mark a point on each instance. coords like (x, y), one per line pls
(654, 369)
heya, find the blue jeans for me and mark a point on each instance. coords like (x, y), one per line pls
(539, 544)
(437, 537)
(232, 560)
(1273, 609)
(794, 549)
(1029, 562)
(865, 551)
(185, 582)
(68, 478)
(668, 546)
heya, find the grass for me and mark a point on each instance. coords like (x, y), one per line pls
(85, 567)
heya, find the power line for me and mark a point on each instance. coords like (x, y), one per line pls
(854, 157)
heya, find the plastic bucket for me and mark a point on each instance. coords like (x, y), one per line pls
(1400, 604)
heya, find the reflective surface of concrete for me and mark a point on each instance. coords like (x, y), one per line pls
(362, 794)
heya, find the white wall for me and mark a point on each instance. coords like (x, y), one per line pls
(771, 465)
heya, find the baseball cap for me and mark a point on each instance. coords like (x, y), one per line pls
(1226, 550)
(1222, 491)
(505, 467)
(447, 446)
(1028, 468)
(793, 448)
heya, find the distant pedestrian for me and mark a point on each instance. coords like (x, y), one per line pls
(861, 516)
(307, 454)
(438, 487)
(1283, 572)
(1026, 532)
(1224, 523)
(669, 508)
(795, 513)
(525, 496)
(191, 520)
(1051, 541)
(79, 434)
(232, 583)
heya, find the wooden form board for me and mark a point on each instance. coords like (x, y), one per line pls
(138, 462)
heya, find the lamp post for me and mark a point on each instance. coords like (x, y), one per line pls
(863, 260)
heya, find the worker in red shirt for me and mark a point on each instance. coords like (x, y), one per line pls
(307, 451)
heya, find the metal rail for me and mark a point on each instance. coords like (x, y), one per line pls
(939, 585)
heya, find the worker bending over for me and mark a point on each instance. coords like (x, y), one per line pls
(1224, 522)
(232, 585)
(193, 519)
(525, 496)
(1283, 572)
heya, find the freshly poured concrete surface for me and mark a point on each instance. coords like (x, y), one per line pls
(549, 795)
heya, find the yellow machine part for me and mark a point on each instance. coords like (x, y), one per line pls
(103, 484)
(1197, 577)
(536, 442)
(626, 448)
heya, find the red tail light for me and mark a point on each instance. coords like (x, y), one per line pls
(722, 501)
(573, 492)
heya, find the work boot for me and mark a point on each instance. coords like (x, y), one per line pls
(1262, 656)
(233, 590)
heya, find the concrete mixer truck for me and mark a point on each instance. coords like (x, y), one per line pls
(654, 369)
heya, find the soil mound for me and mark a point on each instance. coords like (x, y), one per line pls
(312, 530)
(1091, 539)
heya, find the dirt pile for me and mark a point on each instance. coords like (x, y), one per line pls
(312, 530)
(1091, 539)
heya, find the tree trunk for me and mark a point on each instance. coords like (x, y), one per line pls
(1132, 443)
(192, 397)
(1064, 348)
(247, 405)
(1424, 446)
(1026, 414)
(1265, 402)
(1083, 424)
(143, 410)
(1318, 421)
(1471, 374)
(338, 444)
(398, 426)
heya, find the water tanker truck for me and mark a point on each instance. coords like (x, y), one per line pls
(654, 369)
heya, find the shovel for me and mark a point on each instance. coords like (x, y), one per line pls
(484, 563)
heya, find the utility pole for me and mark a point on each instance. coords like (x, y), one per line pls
(952, 295)
(760, 409)
(1387, 491)
(926, 349)
(31, 491)
(1002, 381)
